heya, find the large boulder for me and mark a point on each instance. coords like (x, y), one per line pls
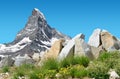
(94, 39)
(82, 48)
(68, 50)
(109, 42)
(54, 51)
(96, 51)
(80, 45)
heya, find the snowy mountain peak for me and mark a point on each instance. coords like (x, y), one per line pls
(36, 37)
(37, 12)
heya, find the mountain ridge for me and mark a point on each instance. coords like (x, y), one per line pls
(36, 36)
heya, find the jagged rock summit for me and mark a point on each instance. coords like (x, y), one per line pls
(37, 36)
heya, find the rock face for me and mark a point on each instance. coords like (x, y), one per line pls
(68, 50)
(78, 47)
(83, 49)
(54, 51)
(109, 42)
(105, 40)
(94, 39)
(95, 51)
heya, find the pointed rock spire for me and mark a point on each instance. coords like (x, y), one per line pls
(37, 12)
(94, 39)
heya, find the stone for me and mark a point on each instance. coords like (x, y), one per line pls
(19, 60)
(95, 51)
(113, 74)
(94, 39)
(68, 50)
(36, 57)
(58, 76)
(80, 45)
(54, 51)
(109, 42)
(82, 48)
(5, 75)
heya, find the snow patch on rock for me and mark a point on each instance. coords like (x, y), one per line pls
(14, 48)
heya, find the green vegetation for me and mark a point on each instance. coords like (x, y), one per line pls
(5, 69)
(75, 67)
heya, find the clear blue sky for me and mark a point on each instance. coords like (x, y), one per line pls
(68, 16)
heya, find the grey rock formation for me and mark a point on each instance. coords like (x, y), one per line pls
(95, 51)
(95, 39)
(68, 50)
(109, 42)
(83, 49)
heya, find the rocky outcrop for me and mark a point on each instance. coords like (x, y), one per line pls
(83, 49)
(95, 51)
(79, 47)
(54, 51)
(103, 39)
(68, 50)
(109, 42)
(94, 39)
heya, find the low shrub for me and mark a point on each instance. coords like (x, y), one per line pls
(5, 69)
(66, 62)
(98, 70)
(50, 74)
(81, 61)
(34, 75)
(50, 64)
(64, 72)
(74, 61)
(78, 71)
(18, 73)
